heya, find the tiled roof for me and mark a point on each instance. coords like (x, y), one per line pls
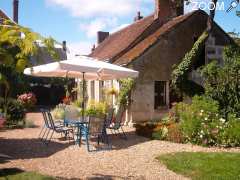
(129, 43)
(3, 15)
(119, 41)
(141, 47)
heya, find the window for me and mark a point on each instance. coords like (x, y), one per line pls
(160, 94)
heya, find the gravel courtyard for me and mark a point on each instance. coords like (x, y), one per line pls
(131, 159)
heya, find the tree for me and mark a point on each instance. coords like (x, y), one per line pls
(222, 83)
(17, 45)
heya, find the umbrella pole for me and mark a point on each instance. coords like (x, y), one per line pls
(83, 89)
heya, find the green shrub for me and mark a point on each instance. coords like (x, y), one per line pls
(221, 83)
(96, 109)
(175, 133)
(160, 134)
(59, 111)
(230, 135)
(13, 110)
(78, 103)
(29, 124)
(199, 121)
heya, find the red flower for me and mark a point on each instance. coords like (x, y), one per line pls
(66, 100)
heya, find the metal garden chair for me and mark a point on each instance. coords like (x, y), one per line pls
(94, 128)
(46, 126)
(117, 125)
(57, 129)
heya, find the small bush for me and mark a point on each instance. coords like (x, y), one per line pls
(29, 124)
(96, 109)
(59, 111)
(199, 121)
(175, 133)
(78, 103)
(14, 111)
(161, 134)
(229, 136)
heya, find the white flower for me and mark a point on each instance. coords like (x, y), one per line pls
(202, 111)
(206, 119)
(201, 136)
(222, 120)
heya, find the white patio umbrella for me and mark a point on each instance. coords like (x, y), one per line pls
(82, 67)
(92, 69)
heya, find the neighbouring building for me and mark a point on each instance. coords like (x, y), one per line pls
(152, 45)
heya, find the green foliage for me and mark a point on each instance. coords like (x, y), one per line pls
(96, 109)
(207, 166)
(29, 124)
(180, 73)
(230, 136)
(18, 43)
(59, 111)
(161, 134)
(124, 96)
(199, 121)
(14, 111)
(18, 174)
(222, 83)
(78, 103)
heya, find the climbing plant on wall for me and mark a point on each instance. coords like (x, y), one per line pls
(126, 85)
(180, 73)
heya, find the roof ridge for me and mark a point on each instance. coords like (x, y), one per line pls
(2, 12)
(134, 23)
(185, 16)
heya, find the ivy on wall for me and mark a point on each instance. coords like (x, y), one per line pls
(125, 91)
(180, 80)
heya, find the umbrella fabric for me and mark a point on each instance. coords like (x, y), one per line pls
(74, 68)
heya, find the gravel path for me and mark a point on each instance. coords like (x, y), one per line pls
(132, 159)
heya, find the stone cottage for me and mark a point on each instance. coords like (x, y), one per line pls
(152, 45)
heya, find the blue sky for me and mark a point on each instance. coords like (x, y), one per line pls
(77, 21)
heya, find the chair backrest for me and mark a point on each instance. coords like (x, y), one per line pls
(109, 117)
(72, 113)
(119, 116)
(95, 125)
(51, 121)
(45, 118)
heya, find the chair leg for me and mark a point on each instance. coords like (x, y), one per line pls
(50, 138)
(124, 134)
(87, 142)
(47, 133)
(42, 138)
(98, 139)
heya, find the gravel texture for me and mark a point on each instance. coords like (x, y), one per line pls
(131, 159)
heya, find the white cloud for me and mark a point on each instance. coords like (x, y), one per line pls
(102, 8)
(80, 48)
(99, 15)
(115, 29)
(98, 24)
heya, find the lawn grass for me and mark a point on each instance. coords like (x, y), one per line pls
(206, 166)
(17, 174)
